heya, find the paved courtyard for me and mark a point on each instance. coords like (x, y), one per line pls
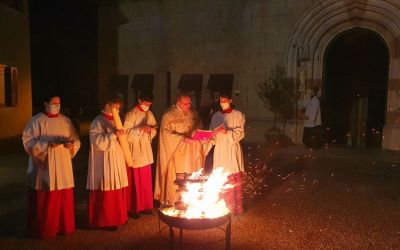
(332, 198)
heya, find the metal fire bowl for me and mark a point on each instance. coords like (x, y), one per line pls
(194, 223)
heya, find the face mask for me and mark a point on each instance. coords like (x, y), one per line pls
(53, 108)
(144, 107)
(224, 105)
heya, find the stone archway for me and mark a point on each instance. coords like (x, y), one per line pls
(355, 84)
(323, 22)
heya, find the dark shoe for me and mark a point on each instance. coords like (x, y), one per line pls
(134, 215)
(147, 212)
(111, 229)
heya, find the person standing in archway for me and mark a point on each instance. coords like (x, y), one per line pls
(312, 121)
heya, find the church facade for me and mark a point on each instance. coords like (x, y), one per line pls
(206, 47)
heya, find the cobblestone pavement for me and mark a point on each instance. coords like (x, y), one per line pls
(342, 198)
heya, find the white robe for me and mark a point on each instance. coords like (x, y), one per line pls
(139, 141)
(107, 169)
(313, 111)
(175, 156)
(50, 168)
(228, 152)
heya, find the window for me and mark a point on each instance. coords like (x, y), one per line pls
(8, 86)
(220, 82)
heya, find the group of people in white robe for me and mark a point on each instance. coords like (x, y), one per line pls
(116, 189)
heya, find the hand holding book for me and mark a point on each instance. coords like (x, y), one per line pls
(220, 129)
(201, 135)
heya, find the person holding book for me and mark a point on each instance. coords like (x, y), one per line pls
(141, 127)
(228, 127)
(178, 153)
(51, 141)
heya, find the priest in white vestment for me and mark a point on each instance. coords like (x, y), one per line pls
(228, 127)
(140, 127)
(51, 141)
(107, 177)
(178, 154)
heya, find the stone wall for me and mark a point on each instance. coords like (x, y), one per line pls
(15, 52)
(243, 38)
(247, 39)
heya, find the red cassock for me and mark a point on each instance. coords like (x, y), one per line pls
(233, 197)
(106, 208)
(139, 193)
(50, 213)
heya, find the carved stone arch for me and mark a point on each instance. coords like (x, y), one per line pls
(324, 21)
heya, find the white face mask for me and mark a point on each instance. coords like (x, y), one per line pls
(53, 108)
(144, 107)
(224, 105)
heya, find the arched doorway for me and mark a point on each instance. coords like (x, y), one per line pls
(355, 88)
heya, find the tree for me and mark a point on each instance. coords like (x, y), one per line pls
(278, 94)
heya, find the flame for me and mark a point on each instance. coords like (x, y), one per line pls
(202, 199)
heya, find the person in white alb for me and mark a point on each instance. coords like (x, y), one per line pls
(107, 177)
(228, 127)
(51, 141)
(140, 127)
(312, 121)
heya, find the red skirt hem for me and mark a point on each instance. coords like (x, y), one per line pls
(50, 213)
(107, 208)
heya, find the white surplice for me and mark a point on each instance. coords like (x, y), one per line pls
(50, 168)
(228, 152)
(139, 141)
(313, 112)
(107, 169)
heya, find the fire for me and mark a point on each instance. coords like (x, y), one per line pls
(202, 198)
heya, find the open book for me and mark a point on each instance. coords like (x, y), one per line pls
(202, 135)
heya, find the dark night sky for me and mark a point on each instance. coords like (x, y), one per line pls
(64, 54)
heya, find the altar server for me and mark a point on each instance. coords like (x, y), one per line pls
(107, 177)
(51, 141)
(141, 127)
(228, 127)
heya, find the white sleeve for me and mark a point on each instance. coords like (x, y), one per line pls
(151, 121)
(312, 109)
(132, 132)
(73, 135)
(236, 134)
(101, 139)
(33, 142)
